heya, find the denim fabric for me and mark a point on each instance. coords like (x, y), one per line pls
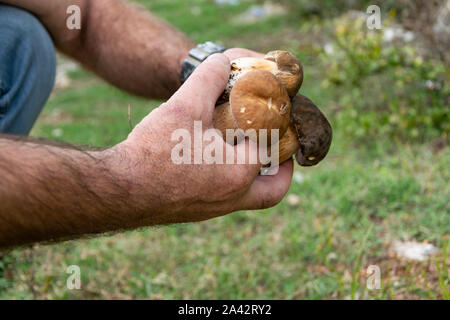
(27, 69)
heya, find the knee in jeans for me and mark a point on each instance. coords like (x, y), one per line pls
(30, 41)
(27, 68)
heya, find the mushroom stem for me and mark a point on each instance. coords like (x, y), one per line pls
(223, 119)
(289, 144)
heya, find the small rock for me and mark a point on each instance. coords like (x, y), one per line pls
(392, 33)
(414, 250)
(293, 200)
(332, 256)
(259, 12)
(298, 177)
(57, 132)
(227, 2)
(196, 11)
(328, 48)
(433, 85)
(62, 69)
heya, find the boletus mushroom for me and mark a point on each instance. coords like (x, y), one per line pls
(262, 94)
(309, 134)
(282, 64)
(257, 101)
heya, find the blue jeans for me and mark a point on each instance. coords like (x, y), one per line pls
(27, 69)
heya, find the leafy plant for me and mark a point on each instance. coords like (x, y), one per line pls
(382, 85)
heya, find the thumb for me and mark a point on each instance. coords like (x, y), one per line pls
(202, 89)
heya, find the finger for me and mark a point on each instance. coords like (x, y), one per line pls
(202, 89)
(267, 191)
(237, 176)
(235, 53)
(264, 192)
(246, 156)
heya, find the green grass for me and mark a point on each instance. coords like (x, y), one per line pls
(352, 206)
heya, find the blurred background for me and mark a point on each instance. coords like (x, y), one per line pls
(381, 197)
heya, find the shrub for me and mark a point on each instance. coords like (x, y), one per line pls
(382, 85)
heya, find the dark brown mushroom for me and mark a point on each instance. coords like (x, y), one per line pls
(309, 134)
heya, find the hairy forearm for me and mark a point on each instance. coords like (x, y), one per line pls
(54, 192)
(132, 48)
(126, 45)
(51, 192)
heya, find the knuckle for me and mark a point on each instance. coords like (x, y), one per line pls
(177, 108)
(233, 183)
(242, 179)
(230, 185)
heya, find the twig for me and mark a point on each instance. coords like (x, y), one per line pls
(129, 117)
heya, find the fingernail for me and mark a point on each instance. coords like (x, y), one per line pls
(219, 57)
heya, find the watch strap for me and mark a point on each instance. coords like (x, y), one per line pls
(196, 56)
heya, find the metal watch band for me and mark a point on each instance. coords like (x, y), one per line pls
(196, 56)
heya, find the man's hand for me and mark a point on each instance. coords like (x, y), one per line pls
(196, 191)
(53, 192)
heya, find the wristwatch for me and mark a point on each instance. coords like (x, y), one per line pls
(196, 56)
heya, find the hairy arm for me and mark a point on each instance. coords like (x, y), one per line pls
(50, 192)
(121, 42)
(55, 191)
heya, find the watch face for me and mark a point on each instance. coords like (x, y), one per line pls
(196, 56)
(211, 47)
(199, 54)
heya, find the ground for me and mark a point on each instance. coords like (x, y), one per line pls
(342, 216)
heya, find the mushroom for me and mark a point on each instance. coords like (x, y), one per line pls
(309, 134)
(290, 70)
(284, 65)
(262, 94)
(257, 101)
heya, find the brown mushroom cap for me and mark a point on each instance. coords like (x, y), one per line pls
(284, 65)
(313, 130)
(290, 70)
(240, 67)
(309, 134)
(257, 101)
